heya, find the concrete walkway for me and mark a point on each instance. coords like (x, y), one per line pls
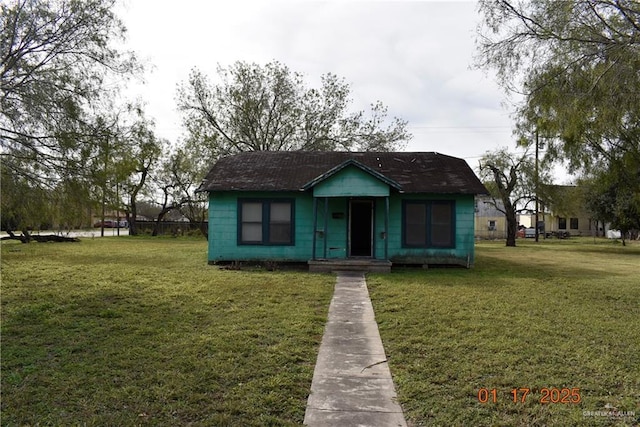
(352, 384)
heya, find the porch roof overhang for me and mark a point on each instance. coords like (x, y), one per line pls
(326, 176)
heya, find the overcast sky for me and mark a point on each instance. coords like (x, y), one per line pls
(414, 56)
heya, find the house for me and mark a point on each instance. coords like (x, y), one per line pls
(561, 224)
(564, 211)
(342, 209)
(490, 220)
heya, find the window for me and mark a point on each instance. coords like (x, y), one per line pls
(251, 222)
(280, 223)
(442, 224)
(573, 223)
(428, 224)
(265, 222)
(562, 223)
(415, 230)
(492, 225)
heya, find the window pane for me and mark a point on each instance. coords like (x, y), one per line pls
(280, 212)
(280, 233)
(280, 223)
(562, 223)
(251, 212)
(441, 224)
(415, 224)
(251, 222)
(252, 232)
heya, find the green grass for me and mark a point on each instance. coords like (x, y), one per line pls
(559, 314)
(139, 331)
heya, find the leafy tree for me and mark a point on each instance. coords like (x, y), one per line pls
(146, 157)
(270, 108)
(73, 205)
(177, 180)
(612, 198)
(125, 154)
(24, 207)
(511, 179)
(57, 58)
(140, 161)
(119, 157)
(58, 63)
(102, 173)
(19, 202)
(576, 63)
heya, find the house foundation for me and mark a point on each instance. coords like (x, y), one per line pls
(348, 264)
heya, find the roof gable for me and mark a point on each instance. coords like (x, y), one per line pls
(351, 181)
(299, 170)
(351, 162)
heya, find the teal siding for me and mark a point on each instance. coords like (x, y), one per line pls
(351, 182)
(223, 227)
(462, 253)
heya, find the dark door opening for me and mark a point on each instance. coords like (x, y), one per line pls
(361, 228)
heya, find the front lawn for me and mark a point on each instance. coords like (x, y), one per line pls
(547, 317)
(140, 331)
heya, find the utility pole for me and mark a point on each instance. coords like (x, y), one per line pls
(536, 185)
(104, 186)
(118, 207)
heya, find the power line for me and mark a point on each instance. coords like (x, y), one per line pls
(459, 127)
(452, 130)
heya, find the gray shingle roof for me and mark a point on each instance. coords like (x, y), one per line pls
(291, 170)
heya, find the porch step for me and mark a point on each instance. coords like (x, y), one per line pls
(366, 265)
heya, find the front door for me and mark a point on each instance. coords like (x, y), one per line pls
(361, 228)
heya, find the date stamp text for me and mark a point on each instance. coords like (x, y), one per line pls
(546, 395)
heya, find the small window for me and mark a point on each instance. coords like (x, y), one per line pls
(265, 222)
(573, 223)
(562, 223)
(492, 225)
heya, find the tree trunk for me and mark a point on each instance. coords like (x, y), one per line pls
(12, 236)
(512, 222)
(133, 229)
(156, 224)
(512, 226)
(26, 237)
(54, 238)
(131, 217)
